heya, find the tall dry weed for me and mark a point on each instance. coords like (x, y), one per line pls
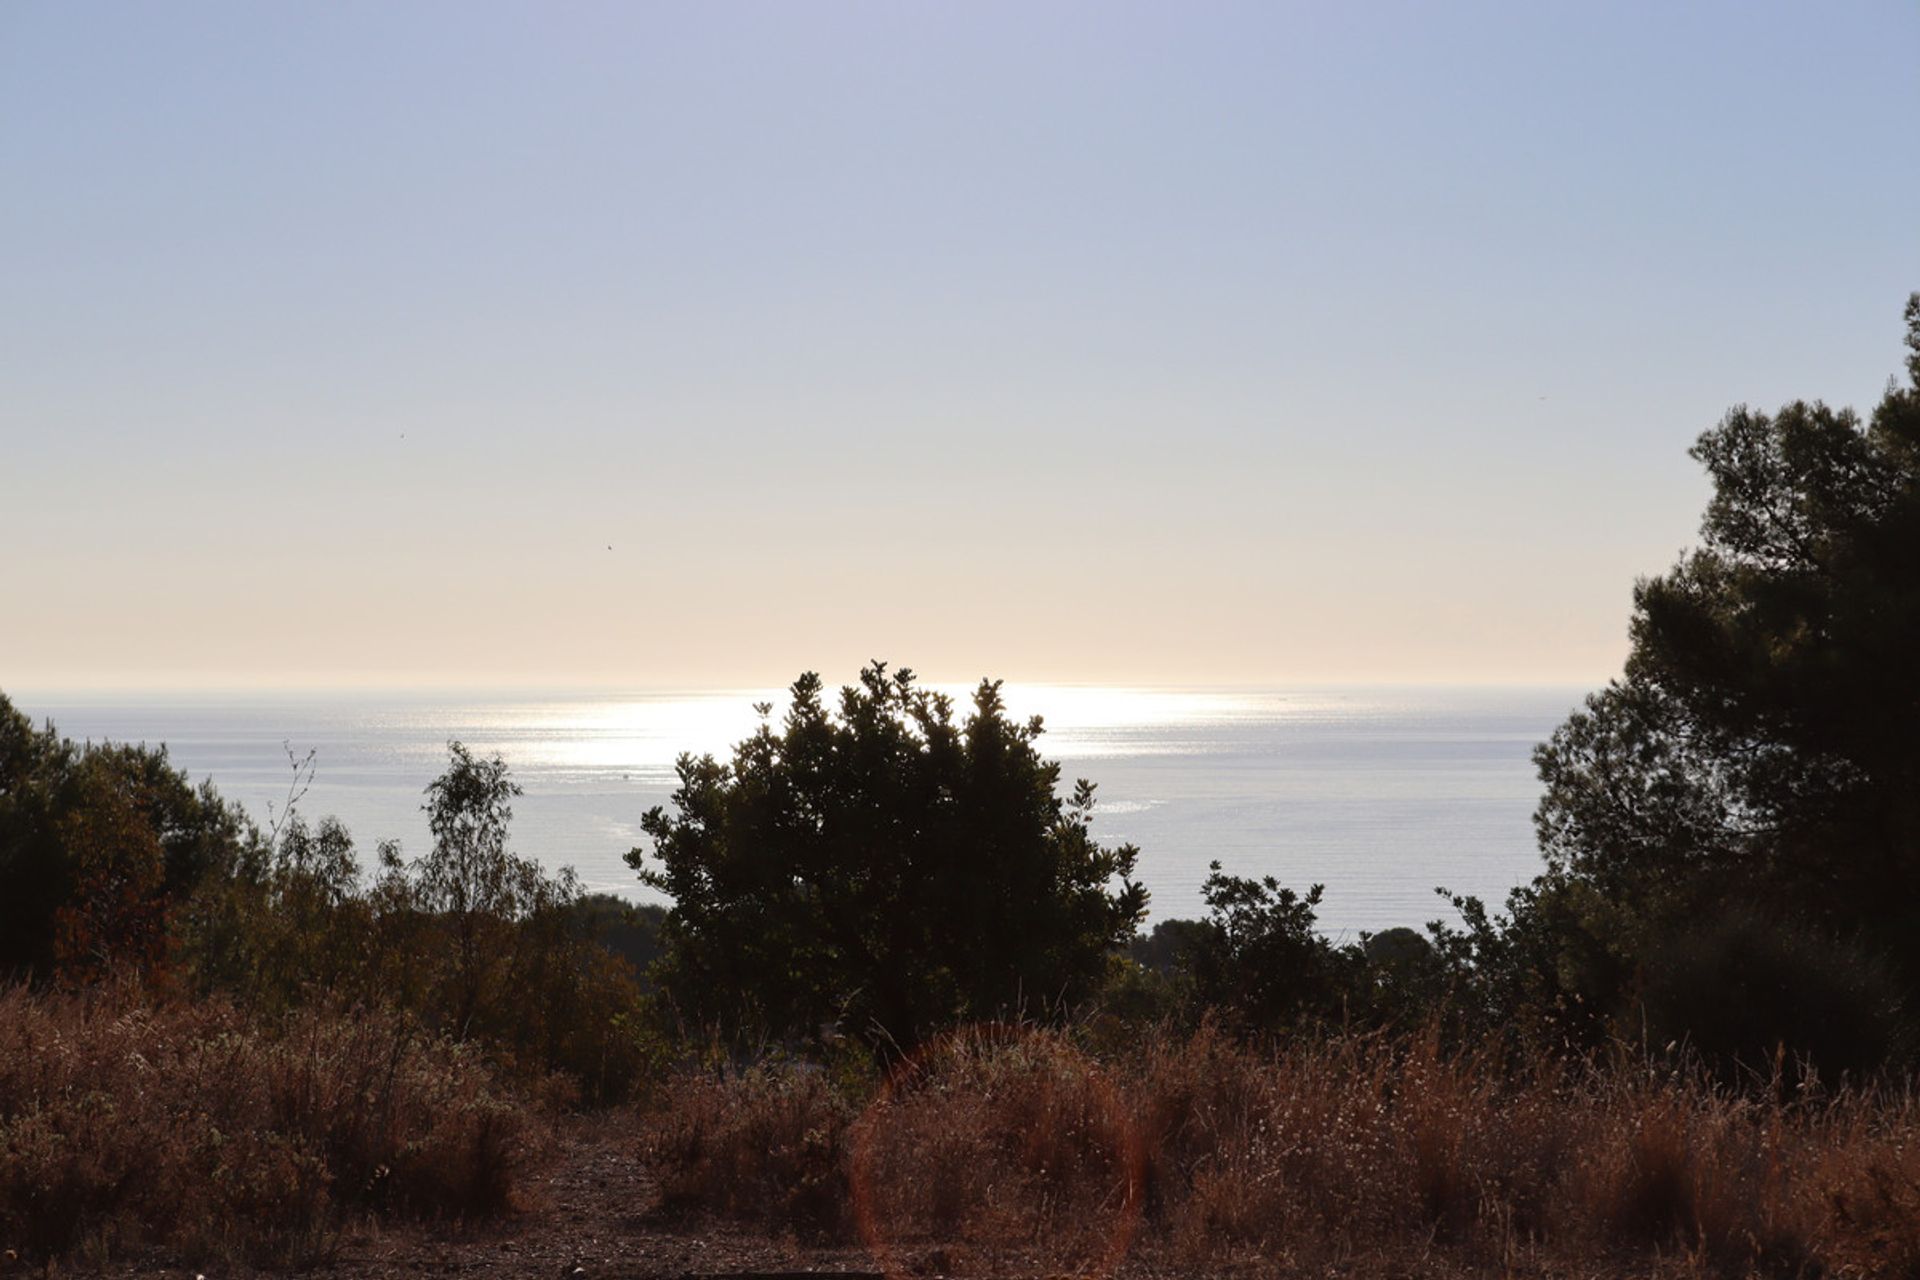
(1212, 1151)
(192, 1127)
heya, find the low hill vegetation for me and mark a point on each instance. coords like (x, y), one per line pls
(901, 994)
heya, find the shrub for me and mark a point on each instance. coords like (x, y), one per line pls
(1257, 957)
(884, 866)
(1744, 989)
(472, 939)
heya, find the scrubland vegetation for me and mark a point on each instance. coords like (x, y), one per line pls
(126, 1120)
(229, 1042)
(902, 994)
(1023, 1150)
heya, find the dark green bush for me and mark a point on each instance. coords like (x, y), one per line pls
(1744, 989)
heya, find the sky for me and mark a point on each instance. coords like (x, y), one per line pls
(482, 344)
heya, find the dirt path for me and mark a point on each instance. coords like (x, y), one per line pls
(592, 1217)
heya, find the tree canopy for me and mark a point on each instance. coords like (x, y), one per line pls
(1761, 751)
(96, 841)
(1768, 721)
(883, 865)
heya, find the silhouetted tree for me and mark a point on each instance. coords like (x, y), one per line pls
(885, 866)
(1258, 959)
(1745, 989)
(1168, 949)
(1767, 726)
(1763, 743)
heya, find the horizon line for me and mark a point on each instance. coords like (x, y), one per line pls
(744, 688)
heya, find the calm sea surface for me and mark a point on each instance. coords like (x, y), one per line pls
(1379, 793)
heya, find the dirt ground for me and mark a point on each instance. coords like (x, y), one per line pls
(592, 1215)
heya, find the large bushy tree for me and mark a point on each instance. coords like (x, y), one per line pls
(1767, 726)
(884, 865)
(1762, 747)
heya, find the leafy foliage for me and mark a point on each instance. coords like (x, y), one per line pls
(885, 866)
(1258, 957)
(1763, 743)
(1258, 963)
(1743, 989)
(97, 844)
(472, 881)
(1765, 727)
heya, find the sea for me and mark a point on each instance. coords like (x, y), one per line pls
(1382, 794)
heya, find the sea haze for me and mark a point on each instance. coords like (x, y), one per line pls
(1381, 794)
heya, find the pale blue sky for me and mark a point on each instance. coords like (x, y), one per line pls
(1187, 343)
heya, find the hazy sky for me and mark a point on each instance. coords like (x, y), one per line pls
(1184, 342)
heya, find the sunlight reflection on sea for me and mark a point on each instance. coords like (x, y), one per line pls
(1380, 793)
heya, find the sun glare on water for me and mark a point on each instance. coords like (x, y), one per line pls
(647, 733)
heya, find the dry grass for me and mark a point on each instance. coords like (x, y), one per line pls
(192, 1128)
(767, 1146)
(1210, 1153)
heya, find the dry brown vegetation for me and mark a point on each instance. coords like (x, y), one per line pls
(197, 1129)
(1204, 1152)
